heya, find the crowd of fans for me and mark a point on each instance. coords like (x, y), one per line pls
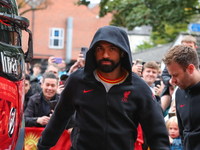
(42, 93)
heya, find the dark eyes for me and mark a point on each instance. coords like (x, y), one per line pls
(111, 48)
(99, 48)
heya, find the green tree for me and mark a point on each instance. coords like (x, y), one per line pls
(171, 32)
(157, 13)
(168, 36)
(145, 45)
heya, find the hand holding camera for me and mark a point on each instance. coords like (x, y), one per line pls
(137, 67)
(56, 60)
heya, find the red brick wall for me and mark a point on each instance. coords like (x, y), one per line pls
(85, 25)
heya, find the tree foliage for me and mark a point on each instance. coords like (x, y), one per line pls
(168, 36)
(171, 32)
(145, 45)
(34, 5)
(157, 13)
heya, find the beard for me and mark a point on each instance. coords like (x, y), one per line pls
(107, 68)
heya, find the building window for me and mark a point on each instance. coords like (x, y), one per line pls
(56, 38)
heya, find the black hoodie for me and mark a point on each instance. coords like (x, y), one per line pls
(106, 120)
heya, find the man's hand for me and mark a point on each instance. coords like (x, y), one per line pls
(78, 64)
(60, 89)
(80, 61)
(69, 131)
(73, 68)
(170, 140)
(137, 69)
(159, 88)
(43, 120)
(51, 60)
(51, 113)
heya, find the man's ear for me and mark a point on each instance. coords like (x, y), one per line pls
(195, 47)
(190, 68)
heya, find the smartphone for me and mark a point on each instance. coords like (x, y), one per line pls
(157, 82)
(84, 51)
(62, 82)
(171, 114)
(138, 62)
(58, 60)
(53, 104)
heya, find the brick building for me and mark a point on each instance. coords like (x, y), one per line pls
(62, 29)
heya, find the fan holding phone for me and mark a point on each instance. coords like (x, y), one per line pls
(159, 86)
(137, 67)
(41, 105)
(150, 74)
(56, 60)
(84, 51)
(80, 60)
(82, 57)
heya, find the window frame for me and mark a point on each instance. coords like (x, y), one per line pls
(52, 37)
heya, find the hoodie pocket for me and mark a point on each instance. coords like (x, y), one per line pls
(74, 137)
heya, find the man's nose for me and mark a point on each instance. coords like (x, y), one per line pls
(105, 54)
(49, 87)
(151, 73)
(173, 80)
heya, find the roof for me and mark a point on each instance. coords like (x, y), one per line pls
(156, 53)
(152, 54)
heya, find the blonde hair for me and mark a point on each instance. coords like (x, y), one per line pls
(172, 119)
(38, 65)
(189, 38)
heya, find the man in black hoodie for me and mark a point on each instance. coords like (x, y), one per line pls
(110, 101)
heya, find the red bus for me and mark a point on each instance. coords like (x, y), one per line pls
(12, 75)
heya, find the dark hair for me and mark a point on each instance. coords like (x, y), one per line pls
(152, 65)
(49, 75)
(38, 65)
(183, 55)
(27, 77)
